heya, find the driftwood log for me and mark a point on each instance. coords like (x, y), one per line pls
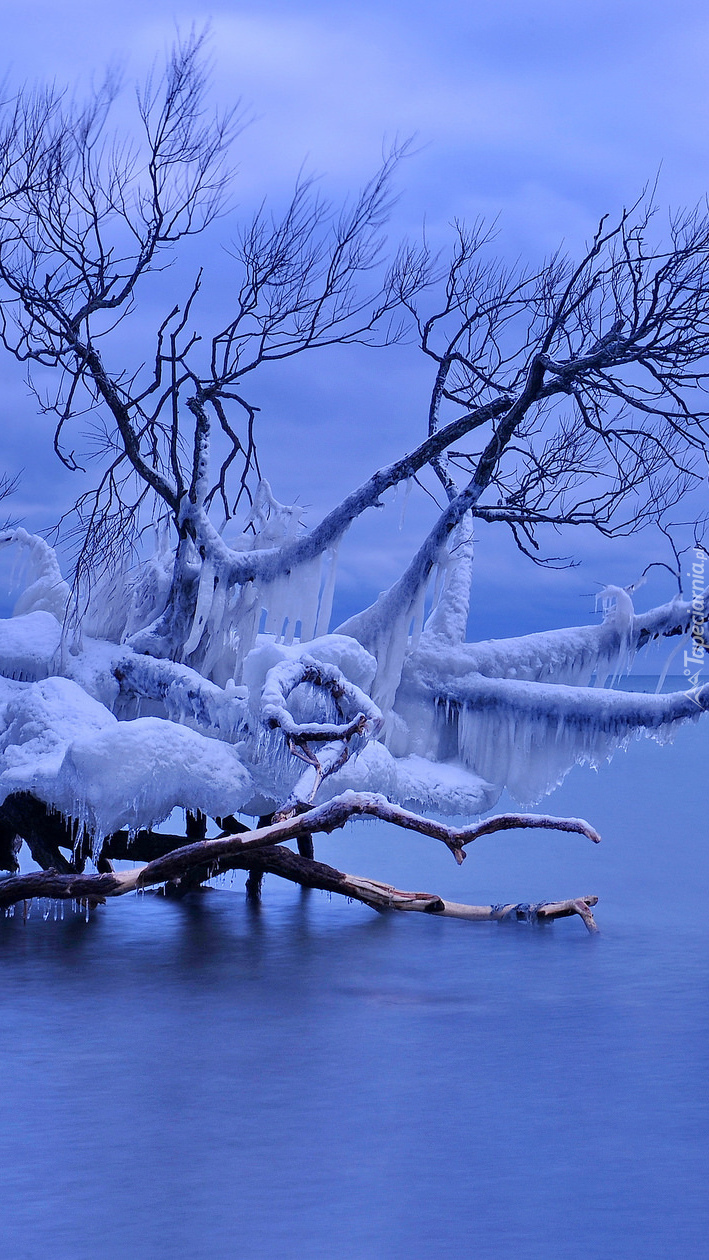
(179, 868)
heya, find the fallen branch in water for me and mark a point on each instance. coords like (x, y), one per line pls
(170, 862)
(277, 860)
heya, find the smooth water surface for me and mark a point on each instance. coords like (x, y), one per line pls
(313, 1080)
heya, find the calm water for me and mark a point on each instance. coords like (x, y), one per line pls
(312, 1080)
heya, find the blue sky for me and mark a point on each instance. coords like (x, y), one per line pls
(546, 115)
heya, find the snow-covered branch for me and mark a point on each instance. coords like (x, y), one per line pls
(283, 679)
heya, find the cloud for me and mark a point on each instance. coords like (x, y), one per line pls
(547, 114)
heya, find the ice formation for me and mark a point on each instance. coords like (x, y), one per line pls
(75, 756)
(29, 646)
(45, 588)
(265, 706)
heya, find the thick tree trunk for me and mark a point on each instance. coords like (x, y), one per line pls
(44, 831)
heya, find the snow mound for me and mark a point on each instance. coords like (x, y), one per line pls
(38, 723)
(29, 645)
(413, 782)
(70, 752)
(346, 654)
(135, 773)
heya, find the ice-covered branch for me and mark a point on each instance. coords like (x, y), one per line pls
(667, 619)
(185, 695)
(335, 813)
(527, 736)
(616, 711)
(572, 655)
(325, 745)
(267, 564)
(331, 817)
(283, 679)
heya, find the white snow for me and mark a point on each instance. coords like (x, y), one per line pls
(29, 645)
(135, 773)
(415, 782)
(117, 737)
(38, 723)
(70, 752)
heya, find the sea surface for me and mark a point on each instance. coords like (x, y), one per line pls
(311, 1080)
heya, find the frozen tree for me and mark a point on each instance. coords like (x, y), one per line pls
(204, 675)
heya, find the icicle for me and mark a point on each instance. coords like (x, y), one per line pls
(666, 667)
(217, 632)
(417, 615)
(325, 610)
(618, 612)
(448, 619)
(405, 501)
(205, 597)
(309, 590)
(276, 603)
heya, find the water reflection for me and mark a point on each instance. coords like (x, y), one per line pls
(313, 1080)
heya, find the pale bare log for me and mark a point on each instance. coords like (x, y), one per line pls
(256, 851)
(277, 860)
(329, 817)
(335, 813)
